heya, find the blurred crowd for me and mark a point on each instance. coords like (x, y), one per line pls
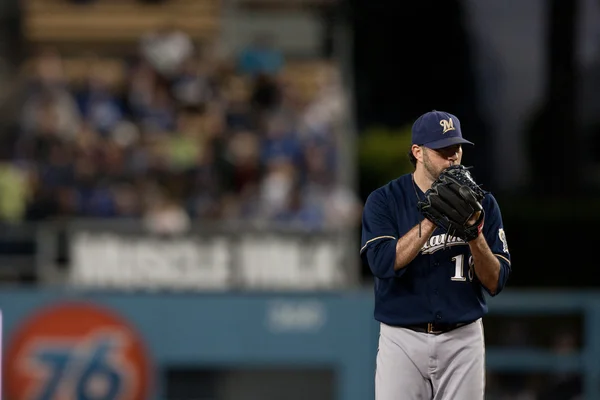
(192, 135)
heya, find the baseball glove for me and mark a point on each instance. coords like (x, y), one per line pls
(452, 201)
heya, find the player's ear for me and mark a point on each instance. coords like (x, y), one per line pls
(417, 152)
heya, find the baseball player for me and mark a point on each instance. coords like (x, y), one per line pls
(429, 281)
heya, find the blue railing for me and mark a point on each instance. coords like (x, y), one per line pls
(548, 303)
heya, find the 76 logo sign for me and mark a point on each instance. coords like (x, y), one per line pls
(92, 369)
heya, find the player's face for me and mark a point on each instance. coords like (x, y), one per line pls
(435, 161)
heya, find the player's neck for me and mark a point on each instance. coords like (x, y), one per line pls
(421, 180)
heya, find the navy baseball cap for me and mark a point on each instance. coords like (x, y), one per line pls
(436, 130)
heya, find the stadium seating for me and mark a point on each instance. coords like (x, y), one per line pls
(304, 74)
(115, 21)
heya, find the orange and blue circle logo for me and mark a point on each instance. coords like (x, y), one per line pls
(76, 351)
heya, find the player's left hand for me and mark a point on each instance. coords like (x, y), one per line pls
(474, 218)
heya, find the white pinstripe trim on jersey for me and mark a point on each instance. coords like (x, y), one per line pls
(483, 370)
(374, 239)
(502, 257)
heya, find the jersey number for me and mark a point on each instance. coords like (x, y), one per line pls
(459, 268)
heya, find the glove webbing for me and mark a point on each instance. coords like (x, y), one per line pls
(449, 227)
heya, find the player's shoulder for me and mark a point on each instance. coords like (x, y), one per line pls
(392, 189)
(489, 199)
(490, 204)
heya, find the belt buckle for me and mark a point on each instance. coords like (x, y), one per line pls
(430, 329)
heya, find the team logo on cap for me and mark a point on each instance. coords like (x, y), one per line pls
(76, 351)
(447, 124)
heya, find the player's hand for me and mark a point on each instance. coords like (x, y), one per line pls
(473, 220)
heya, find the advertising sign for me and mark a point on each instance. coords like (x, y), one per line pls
(76, 351)
(217, 262)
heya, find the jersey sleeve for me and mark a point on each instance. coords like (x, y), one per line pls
(495, 236)
(379, 237)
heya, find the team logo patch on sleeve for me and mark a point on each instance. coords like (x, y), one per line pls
(502, 237)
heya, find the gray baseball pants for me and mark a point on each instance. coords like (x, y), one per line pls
(422, 366)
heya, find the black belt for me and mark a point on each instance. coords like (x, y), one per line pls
(435, 329)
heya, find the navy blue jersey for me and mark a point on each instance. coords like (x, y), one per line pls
(439, 285)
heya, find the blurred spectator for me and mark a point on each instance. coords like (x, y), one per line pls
(193, 86)
(50, 107)
(235, 95)
(166, 49)
(276, 187)
(266, 94)
(328, 106)
(281, 142)
(99, 107)
(14, 189)
(165, 216)
(298, 212)
(48, 70)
